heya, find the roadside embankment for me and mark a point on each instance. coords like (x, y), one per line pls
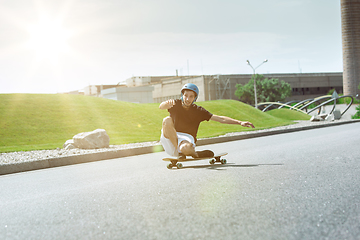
(15, 162)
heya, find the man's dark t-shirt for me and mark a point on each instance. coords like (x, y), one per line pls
(188, 120)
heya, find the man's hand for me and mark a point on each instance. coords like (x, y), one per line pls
(171, 103)
(247, 124)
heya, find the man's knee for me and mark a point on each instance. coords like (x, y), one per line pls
(167, 121)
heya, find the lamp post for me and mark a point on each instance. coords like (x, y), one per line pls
(248, 62)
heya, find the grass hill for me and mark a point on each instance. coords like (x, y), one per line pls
(46, 121)
(288, 114)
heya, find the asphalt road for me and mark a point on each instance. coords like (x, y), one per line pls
(301, 185)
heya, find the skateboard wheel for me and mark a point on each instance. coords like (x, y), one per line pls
(179, 165)
(169, 166)
(223, 161)
(212, 161)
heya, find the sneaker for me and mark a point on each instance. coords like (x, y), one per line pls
(205, 153)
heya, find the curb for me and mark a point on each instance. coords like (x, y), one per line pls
(70, 160)
(92, 157)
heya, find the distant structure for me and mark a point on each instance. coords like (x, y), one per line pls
(155, 89)
(350, 28)
(135, 89)
(95, 90)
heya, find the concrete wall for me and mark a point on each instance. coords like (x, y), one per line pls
(137, 81)
(170, 88)
(90, 90)
(130, 94)
(95, 90)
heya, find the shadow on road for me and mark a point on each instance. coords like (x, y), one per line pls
(230, 165)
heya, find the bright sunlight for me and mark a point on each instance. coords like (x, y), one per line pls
(48, 39)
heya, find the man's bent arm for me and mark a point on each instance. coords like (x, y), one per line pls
(228, 120)
(167, 104)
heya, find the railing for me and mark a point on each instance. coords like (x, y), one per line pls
(304, 104)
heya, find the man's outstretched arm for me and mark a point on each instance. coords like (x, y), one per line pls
(228, 120)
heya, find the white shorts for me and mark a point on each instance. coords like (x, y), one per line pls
(169, 147)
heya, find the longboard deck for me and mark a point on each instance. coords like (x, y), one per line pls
(193, 159)
(174, 162)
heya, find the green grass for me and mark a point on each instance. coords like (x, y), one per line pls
(46, 121)
(288, 114)
(237, 110)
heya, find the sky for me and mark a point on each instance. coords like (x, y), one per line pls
(56, 46)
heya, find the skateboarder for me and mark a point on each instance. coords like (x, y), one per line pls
(179, 130)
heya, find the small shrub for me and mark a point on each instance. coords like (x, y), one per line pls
(357, 114)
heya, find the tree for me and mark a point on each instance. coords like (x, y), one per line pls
(268, 90)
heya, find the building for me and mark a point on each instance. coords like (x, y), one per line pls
(135, 89)
(95, 90)
(143, 80)
(169, 88)
(140, 94)
(212, 87)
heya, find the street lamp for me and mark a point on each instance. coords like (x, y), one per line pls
(248, 62)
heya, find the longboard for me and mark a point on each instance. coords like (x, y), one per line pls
(176, 162)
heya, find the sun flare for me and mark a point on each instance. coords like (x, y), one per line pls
(48, 39)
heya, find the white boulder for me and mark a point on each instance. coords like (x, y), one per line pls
(89, 140)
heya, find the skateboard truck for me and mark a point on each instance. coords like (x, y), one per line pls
(174, 163)
(217, 159)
